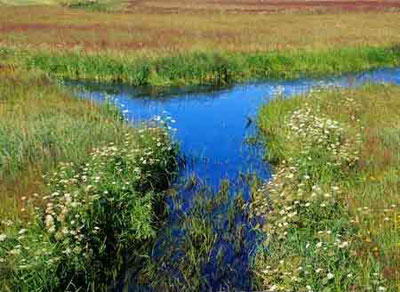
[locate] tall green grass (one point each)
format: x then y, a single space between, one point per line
216 68
94 5
41 125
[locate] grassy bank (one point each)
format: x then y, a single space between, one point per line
97 207
332 208
203 68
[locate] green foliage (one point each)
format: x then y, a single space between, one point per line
93 214
93 211
209 67
308 230
41 124
87 4
27 261
90 5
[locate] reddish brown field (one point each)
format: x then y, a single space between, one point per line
145 26
261 6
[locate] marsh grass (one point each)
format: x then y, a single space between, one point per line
346 240
101 195
205 68
42 125
94 5
89 5
331 208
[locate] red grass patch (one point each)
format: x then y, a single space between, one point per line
262 6
23 27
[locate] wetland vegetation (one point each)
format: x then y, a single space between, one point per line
80 187
94 198
333 208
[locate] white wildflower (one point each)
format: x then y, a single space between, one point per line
49 222
330 276
22 231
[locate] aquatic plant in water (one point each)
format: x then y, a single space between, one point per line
207 246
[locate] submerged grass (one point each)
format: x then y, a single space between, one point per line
99 205
207 247
332 207
202 67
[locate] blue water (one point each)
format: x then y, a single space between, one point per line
212 127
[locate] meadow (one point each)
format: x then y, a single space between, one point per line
333 205
141 44
82 189
149 31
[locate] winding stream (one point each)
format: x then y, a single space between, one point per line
212 127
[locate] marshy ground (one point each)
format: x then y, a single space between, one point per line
149 31
81 188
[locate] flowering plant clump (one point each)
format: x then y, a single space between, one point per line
309 245
306 234
95 212
319 137
28 258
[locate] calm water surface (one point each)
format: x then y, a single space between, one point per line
212 128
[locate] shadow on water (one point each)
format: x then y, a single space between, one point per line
148 91
208 241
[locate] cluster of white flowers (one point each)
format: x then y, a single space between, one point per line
114 174
314 132
76 189
293 193
22 248
90 208
289 193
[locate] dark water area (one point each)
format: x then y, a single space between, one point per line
213 128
